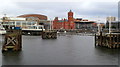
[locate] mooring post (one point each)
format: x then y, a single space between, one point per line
118 41
49 35
13 41
95 40
110 43
100 38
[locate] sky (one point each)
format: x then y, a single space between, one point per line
86 9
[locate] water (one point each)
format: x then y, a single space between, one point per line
1 42
65 50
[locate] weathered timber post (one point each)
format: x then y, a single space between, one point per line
113 41
100 38
118 41
49 35
95 40
13 41
110 42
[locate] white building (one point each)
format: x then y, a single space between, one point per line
110 19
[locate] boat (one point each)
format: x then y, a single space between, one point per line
27 27
2 30
33 30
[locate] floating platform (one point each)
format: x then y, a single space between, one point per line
109 40
49 35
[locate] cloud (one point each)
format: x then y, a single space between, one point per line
82 8
52 9
65 0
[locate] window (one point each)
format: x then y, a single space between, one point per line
23 23
40 27
32 27
32 18
28 23
33 23
18 23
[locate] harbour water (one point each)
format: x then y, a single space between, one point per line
0 49
65 50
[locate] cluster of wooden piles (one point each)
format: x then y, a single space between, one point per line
109 40
13 41
49 35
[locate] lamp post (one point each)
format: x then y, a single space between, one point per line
50 24
51 27
110 25
98 25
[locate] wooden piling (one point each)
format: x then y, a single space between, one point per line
49 35
108 40
100 38
13 41
95 40
117 41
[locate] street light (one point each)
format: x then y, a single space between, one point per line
110 25
51 24
98 25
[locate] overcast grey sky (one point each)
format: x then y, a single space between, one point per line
87 9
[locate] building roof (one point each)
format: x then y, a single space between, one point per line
85 22
41 17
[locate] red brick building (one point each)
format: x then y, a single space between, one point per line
64 23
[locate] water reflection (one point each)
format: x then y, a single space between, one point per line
12 58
